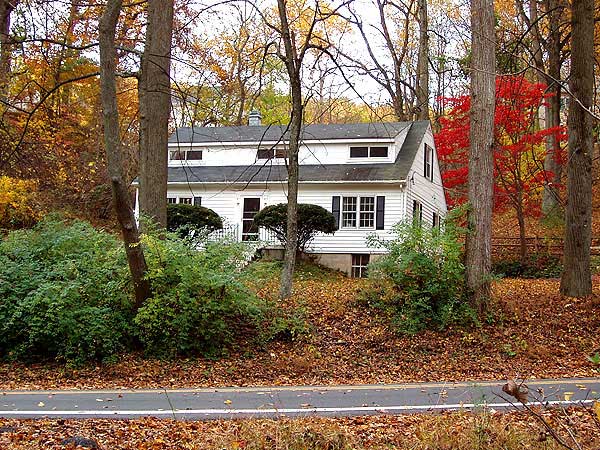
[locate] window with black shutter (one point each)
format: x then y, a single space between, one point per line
356 212
197 201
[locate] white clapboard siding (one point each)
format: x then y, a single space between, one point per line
314 153
227 201
429 193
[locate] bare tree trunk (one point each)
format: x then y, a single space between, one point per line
576 278
155 108
550 197
422 83
112 143
6 8
481 158
293 66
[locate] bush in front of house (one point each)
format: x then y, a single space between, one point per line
182 218
199 305
312 219
66 294
421 279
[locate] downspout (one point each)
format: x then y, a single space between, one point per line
403 188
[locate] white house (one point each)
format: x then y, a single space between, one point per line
369 175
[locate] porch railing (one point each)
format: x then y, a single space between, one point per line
232 231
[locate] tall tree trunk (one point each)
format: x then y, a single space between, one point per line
422 85
6 9
576 278
522 239
112 143
481 159
550 197
155 109
293 67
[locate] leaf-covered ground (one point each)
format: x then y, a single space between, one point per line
535 334
452 431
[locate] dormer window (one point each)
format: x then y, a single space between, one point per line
369 152
270 153
185 155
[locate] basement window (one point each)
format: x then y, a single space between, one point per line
359 265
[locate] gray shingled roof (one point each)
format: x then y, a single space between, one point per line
272 133
396 171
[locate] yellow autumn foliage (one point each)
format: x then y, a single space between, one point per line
17 207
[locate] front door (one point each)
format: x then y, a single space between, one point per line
249 229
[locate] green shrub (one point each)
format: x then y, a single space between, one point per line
199 305
312 219
421 279
64 293
183 218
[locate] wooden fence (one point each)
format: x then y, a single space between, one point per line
510 246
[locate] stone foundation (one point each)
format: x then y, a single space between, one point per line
335 261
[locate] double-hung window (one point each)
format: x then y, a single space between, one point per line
349 212
358 212
367 212
184 200
428 163
417 211
436 220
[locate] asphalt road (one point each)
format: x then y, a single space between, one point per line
194 404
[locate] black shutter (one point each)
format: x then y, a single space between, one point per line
379 218
425 151
197 201
335 209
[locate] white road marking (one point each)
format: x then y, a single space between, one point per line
233 412
267 389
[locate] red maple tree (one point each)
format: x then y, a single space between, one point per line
518 148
